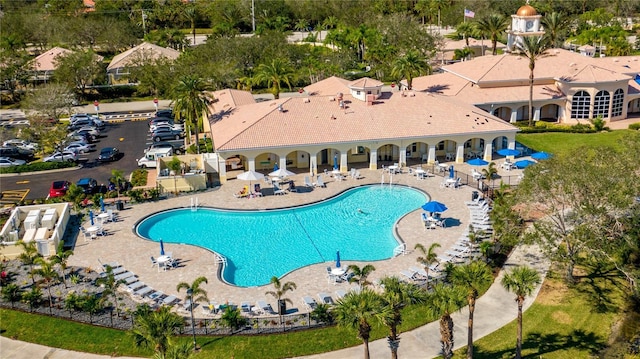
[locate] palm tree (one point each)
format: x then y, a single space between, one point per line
360 274
49 276
490 171
465 30
428 257
110 284
493 27
191 103
12 293
410 65
28 256
532 48
396 295
439 5
555 27
474 276
444 300
197 294
462 54
154 328
522 281
60 258
280 289
274 74
358 310
191 14
181 350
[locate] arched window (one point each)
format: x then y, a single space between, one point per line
601 104
580 105
618 101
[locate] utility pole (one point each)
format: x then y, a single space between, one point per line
253 15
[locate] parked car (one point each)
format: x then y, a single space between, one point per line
61 156
165 113
58 188
16 142
77 122
173 126
157 120
79 147
9 162
16 153
88 185
109 154
91 130
81 137
166 134
178 147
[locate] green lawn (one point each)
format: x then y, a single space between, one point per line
557 142
561 324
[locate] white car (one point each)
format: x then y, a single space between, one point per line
8 162
91 129
21 143
61 156
79 147
176 126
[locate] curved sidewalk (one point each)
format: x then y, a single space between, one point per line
494 309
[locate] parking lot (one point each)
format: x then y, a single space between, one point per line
129 137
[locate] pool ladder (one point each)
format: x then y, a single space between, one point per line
194 204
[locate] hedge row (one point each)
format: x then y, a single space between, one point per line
37 166
541 126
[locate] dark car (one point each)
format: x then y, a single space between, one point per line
165 133
165 113
16 153
109 154
88 185
58 189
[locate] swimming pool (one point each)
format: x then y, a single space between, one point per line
261 244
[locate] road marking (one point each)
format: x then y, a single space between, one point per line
22 182
11 197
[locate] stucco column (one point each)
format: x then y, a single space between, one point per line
313 164
431 159
536 114
460 153
373 159
252 163
222 170
514 116
344 166
403 157
283 161
488 151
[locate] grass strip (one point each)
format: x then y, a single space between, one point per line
557 142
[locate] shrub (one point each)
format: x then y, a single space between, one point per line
634 126
598 123
37 166
139 177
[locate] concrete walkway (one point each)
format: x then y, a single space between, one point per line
494 309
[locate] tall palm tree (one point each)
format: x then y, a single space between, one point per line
360 274
555 27
532 48
197 294
191 14
49 276
410 65
280 289
111 284
358 311
274 74
428 256
154 328
444 300
493 27
521 281
462 54
60 258
396 295
465 30
474 276
438 6
191 103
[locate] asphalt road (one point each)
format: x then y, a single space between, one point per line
130 138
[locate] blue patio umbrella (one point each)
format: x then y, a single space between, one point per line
101 204
434 206
91 217
338 259
451 172
161 247
523 163
508 152
335 162
477 162
275 167
541 156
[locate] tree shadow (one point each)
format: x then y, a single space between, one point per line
536 344
600 287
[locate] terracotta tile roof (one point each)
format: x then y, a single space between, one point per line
444 84
450 45
143 51
47 60
365 82
230 98
320 120
330 86
593 74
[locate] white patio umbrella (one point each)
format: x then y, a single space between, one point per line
250 176
281 172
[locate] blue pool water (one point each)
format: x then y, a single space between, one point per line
261 244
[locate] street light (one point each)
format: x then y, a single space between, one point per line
193 323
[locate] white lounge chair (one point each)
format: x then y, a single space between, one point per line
320 182
340 293
419 272
264 307
307 182
409 274
245 307
170 300
309 302
325 298
277 190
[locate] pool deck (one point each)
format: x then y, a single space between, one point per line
132 252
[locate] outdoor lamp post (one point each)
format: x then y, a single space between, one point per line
96 105
193 323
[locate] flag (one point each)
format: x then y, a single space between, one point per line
469 13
